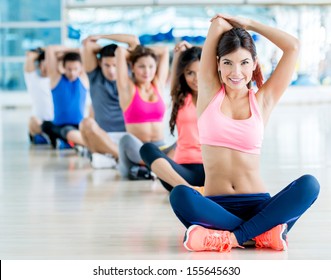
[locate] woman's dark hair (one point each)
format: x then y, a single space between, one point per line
180 88
141 51
237 38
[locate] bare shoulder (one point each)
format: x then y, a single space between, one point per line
55 79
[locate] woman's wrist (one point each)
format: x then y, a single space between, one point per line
250 25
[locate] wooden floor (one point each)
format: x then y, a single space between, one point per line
54 206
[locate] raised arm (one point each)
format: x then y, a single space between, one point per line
209 81
89 54
54 55
280 79
178 49
131 40
123 81
162 71
30 61
91 48
52 62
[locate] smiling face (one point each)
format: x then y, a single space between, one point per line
236 68
144 69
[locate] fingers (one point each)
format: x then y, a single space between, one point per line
227 17
222 16
93 38
182 46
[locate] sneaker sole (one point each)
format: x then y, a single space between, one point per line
187 234
283 236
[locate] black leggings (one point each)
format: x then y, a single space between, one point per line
57 131
193 173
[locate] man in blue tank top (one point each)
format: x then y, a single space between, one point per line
102 132
69 86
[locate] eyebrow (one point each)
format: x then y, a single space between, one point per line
225 59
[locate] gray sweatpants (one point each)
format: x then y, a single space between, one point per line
129 155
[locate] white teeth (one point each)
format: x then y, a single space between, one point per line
235 80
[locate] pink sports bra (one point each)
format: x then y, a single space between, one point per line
217 129
141 111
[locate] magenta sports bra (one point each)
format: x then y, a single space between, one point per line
217 129
141 111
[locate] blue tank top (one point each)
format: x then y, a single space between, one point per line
69 101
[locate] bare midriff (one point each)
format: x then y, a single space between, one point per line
146 132
230 171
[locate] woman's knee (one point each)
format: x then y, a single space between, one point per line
129 146
149 153
309 186
178 195
146 149
124 142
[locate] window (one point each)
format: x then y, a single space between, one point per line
24 25
30 10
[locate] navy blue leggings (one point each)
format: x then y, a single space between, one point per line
246 215
192 173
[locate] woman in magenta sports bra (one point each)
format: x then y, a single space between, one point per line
141 102
237 210
186 166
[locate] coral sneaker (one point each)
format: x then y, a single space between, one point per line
198 238
275 238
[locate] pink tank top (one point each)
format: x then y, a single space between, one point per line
188 149
141 111
217 129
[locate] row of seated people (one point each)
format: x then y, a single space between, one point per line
214 179
126 88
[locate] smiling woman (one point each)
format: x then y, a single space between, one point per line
237 210
142 103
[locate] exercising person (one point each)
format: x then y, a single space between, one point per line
237 209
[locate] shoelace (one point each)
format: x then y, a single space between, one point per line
218 242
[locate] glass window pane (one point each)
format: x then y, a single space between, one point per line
11 77
30 10
15 41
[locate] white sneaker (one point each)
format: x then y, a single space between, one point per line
99 161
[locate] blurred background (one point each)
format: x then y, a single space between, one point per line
27 24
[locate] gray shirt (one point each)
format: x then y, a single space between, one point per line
105 102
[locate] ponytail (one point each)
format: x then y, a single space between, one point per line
258 76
